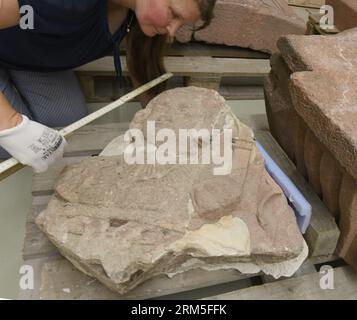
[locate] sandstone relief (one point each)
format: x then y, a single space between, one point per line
124 224
254 24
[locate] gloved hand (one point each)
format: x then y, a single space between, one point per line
33 144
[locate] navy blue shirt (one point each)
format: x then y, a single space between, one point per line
66 34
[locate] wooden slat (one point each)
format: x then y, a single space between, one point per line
303 288
229 92
323 233
56 278
36 243
213 50
190 66
201 49
242 92
91 139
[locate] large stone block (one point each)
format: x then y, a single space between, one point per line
323 93
299 133
125 223
280 114
255 24
285 124
324 90
312 155
331 179
345 13
348 218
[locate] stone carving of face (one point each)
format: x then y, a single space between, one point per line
166 16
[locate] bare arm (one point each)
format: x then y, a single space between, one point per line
9 17
9 13
9 117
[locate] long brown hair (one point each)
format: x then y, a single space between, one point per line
145 55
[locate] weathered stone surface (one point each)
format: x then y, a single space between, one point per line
351 255
348 218
124 224
331 179
324 90
323 94
345 12
285 124
299 142
184 34
255 24
312 156
277 94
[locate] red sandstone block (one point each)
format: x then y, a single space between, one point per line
313 154
323 90
345 12
282 74
300 130
254 24
280 116
348 217
323 94
331 179
351 255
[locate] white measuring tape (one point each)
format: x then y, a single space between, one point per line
8 164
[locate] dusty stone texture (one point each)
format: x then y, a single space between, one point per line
184 34
322 93
299 144
345 12
331 179
329 110
278 99
285 124
124 224
312 155
348 218
255 24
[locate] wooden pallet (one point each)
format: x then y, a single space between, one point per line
198 64
56 278
306 287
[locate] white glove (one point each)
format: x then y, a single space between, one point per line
33 144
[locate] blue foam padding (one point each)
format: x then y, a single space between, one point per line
301 206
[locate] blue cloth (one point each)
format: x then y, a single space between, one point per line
66 34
